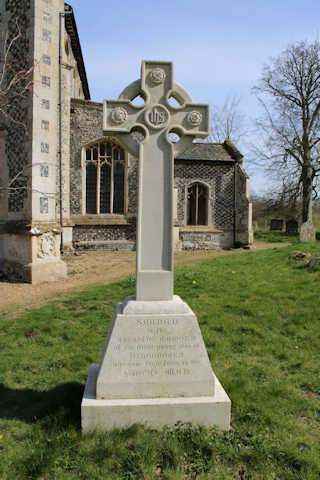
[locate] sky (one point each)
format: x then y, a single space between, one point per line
218 47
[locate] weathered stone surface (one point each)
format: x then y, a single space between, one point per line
307 232
45 272
202 240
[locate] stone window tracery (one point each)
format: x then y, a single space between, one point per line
105 178
197 204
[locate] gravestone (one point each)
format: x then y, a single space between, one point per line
154 367
276 224
307 232
292 227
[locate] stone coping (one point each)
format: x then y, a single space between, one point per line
200 229
131 306
102 242
86 102
107 219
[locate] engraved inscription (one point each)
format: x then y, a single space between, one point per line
157 116
156 352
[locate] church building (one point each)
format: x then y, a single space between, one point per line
71 187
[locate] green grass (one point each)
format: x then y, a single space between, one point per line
273 236
259 314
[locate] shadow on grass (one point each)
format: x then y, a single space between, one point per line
31 405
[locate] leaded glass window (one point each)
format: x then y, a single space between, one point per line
105 178
198 204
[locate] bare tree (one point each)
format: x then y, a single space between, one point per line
15 85
228 122
15 82
289 92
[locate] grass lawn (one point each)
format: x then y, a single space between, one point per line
264 235
259 313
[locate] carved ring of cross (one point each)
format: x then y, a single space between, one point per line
179 93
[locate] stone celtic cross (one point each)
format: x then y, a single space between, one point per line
155 120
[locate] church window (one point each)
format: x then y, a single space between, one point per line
105 179
197 204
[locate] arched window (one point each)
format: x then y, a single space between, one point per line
197 204
105 178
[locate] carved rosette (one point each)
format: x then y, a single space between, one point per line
194 118
47 245
119 115
157 76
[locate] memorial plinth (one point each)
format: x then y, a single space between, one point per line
154 367
154 370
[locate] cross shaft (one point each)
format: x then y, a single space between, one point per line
156 119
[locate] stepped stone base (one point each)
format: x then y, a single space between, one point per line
34 272
154 370
105 415
45 272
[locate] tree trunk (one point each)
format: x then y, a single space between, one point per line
306 193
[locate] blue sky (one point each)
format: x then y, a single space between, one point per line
218 48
